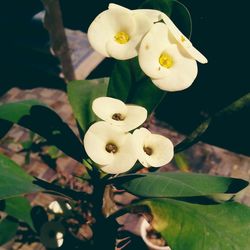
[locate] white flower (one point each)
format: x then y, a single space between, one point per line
118 31
116 112
176 35
153 15
59 207
55 207
183 41
168 67
51 234
152 150
110 147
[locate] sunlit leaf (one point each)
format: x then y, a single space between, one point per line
19 207
81 95
45 122
201 227
14 181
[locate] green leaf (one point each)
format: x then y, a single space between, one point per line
81 95
201 227
8 229
181 162
53 152
177 184
146 94
19 207
14 111
26 145
13 180
124 75
5 124
127 82
45 122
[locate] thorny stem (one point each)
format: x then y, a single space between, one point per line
102 235
195 136
105 229
237 105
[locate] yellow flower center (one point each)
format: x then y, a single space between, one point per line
183 39
122 37
166 60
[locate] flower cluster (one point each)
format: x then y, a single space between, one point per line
113 148
164 53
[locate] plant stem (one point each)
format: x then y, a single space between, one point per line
195 136
104 231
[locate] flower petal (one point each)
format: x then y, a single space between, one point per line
121 19
124 159
143 24
106 107
124 22
162 148
99 32
183 41
123 51
183 69
136 116
196 54
143 18
55 207
96 139
153 15
180 76
150 51
105 26
139 136
132 115
113 6
130 49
